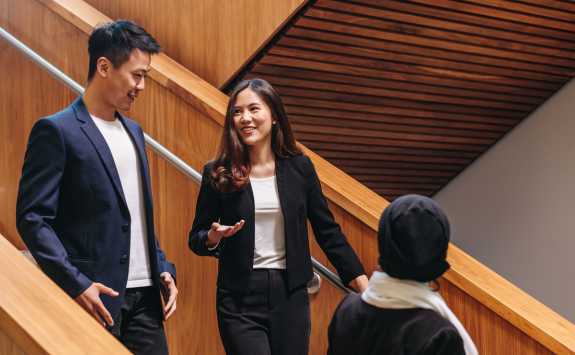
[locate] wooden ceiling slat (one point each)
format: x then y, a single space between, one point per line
536 11
403 191
347 163
385 150
400 192
553 4
354 132
403 95
406 52
320 137
519 71
395 111
412 121
419 26
293 62
385 68
395 185
501 14
318 122
312 83
409 105
426 8
285 72
557 47
398 172
393 178
426 42
376 157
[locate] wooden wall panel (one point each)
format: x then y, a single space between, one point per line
8 346
194 137
38 317
163 115
491 333
17 115
212 38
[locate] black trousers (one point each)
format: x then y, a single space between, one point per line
268 320
139 325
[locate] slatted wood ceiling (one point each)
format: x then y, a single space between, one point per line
403 95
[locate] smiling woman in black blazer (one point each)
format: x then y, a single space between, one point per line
252 212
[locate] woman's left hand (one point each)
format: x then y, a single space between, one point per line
360 283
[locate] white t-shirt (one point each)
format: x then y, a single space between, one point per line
127 165
269 250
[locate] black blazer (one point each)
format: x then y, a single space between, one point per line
300 198
71 211
362 329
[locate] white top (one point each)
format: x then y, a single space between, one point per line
270 251
127 165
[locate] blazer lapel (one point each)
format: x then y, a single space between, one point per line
95 137
282 188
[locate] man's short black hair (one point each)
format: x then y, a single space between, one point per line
116 41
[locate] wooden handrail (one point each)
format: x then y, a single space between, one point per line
41 318
523 311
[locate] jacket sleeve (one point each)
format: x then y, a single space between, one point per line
37 206
328 233
208 210
163 263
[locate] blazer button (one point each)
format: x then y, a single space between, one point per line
124 259
125 227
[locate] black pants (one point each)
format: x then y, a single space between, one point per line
268 320
139 325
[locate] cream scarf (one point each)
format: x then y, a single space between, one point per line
384 291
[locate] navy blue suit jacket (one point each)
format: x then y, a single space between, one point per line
71 211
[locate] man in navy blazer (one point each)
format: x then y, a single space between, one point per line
84 206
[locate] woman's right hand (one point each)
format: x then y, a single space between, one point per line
219 231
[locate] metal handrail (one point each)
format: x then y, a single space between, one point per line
156 146
58 74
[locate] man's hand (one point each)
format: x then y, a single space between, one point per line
169 293
360 283
91 302
219 231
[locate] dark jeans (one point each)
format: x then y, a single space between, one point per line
139 326
268 320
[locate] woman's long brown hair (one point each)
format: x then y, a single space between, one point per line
231 169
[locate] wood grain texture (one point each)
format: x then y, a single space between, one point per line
446 69
162 114
18 115
46 322
8 346
211 38
182 113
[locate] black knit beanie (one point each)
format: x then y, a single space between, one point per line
413 239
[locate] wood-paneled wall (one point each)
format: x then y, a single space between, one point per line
31 304
212 38
18 113
8 346
169 118
163 115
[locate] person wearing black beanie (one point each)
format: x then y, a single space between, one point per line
400 313
413 238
